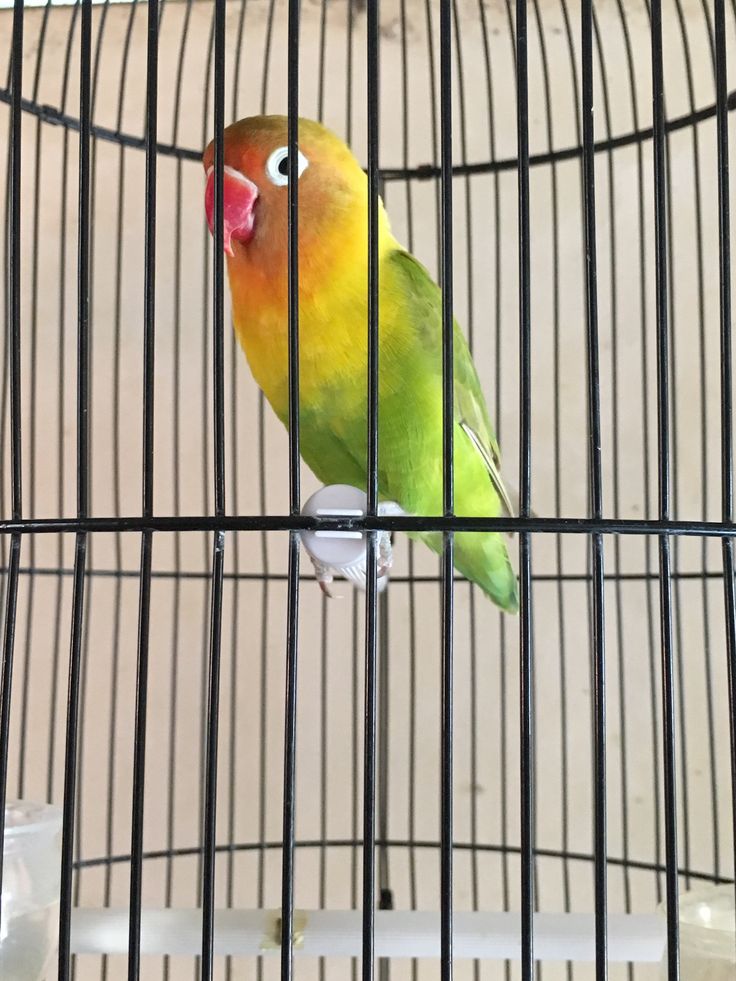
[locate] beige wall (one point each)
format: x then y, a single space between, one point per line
331 633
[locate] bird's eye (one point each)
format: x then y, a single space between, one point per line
277 166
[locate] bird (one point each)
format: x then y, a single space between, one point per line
333 204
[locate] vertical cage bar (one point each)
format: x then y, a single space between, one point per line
369 761
448 503
13 259
80 558
12 241
498 290
526 718
115 435
144 603
412 611
663 448
139 755
354 758
646 454
31 618
292 628
373 273
324 728
70 757
176 469
596 496
371 620
6 681
205 403
83 263
724 257
293 250
383 716
218 266
448 614
265 564
61 402
685 744
383 793
218 548
289 815
233 758
210 798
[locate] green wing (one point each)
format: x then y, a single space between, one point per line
471 414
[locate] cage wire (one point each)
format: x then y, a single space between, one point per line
219 734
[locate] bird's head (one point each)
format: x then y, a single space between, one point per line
332 190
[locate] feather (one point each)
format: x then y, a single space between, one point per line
491 467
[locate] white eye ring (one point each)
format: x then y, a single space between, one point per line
278 162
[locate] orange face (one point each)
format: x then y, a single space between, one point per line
331 198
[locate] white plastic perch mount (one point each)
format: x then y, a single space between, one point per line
398 933
344 552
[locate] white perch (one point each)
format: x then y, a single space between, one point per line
398 933
345 552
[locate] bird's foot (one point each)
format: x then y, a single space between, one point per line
385 557
324 576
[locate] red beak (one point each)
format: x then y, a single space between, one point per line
238 201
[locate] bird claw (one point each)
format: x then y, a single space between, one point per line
324 577
325 574
385 555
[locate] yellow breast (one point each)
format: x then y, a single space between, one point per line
333 321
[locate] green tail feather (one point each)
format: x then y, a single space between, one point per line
482 558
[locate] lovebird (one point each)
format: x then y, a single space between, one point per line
333 337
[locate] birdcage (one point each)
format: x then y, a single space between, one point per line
255 780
